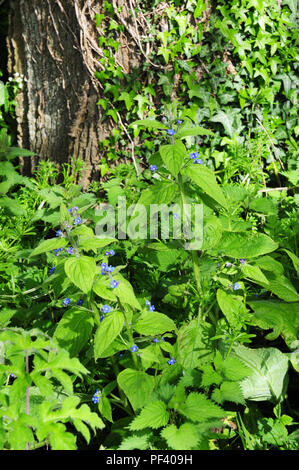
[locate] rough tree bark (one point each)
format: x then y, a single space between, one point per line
54 44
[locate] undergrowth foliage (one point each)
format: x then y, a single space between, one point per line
137 343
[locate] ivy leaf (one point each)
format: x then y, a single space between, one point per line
226 120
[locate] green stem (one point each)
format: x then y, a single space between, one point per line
195 258
130 334
121 393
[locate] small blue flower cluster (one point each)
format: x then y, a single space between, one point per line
57 251
114 284
67 301
110 253
194 156
153 168
171 361
77 220
106 308
150 306
96 397
73 209
156 340
134 348
106 269
170 131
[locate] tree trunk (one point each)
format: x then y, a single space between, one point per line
54 44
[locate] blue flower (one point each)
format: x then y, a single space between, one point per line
114 284
228 264
153 168
77 220
236 286
66 301
151 308
58 233
170 131
171 361
95 397
80 302
52 270
179 121
155 340
102 318
176 216
198 161
134 348
194 155
69 210
70 250
106 308
242 261
110 253
57 250
147 302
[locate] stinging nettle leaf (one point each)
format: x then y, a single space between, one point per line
154 415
